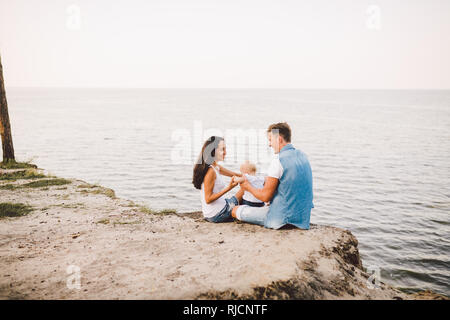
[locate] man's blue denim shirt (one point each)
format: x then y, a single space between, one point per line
293 199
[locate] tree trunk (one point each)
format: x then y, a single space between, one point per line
5 127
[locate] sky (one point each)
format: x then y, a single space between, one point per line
343 44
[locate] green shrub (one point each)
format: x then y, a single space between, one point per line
8 209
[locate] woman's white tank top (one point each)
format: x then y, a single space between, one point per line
213 208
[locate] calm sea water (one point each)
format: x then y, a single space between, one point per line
380 159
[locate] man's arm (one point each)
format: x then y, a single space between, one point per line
228 173
266 193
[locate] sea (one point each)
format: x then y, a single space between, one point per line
380 158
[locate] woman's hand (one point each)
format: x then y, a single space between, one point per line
233 183
239 179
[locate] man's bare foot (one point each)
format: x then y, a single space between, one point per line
233 212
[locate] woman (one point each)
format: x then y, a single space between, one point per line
208 178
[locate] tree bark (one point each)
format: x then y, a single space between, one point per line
5 127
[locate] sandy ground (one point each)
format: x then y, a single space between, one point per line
122 252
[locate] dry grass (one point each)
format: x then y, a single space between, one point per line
37 184
100 190
148 210
16 165
23 174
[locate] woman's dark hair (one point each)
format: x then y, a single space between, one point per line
205 159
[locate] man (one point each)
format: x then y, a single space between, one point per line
288 186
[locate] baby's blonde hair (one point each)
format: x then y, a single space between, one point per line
248 167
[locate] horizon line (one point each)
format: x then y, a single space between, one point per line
226 88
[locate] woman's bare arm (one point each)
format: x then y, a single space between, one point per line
228 173
208 182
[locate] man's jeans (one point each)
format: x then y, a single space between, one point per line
255 215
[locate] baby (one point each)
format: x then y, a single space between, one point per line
248 170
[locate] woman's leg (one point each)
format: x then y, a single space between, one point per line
225 214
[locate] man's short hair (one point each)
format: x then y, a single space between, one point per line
283 129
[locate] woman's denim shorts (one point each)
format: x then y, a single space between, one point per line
225 214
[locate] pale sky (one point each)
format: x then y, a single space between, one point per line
393 44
